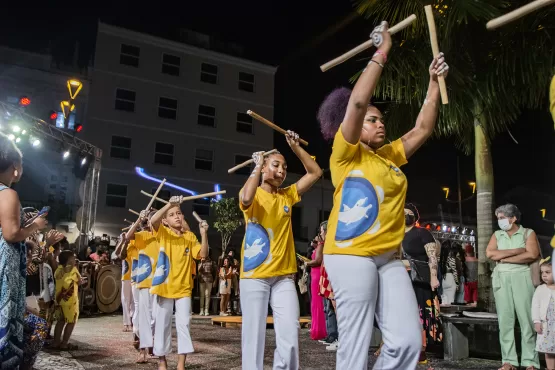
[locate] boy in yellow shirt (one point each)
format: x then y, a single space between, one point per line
172 281
268 258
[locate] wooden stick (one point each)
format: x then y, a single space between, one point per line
517 13
192 197
195 215
272 125
246 163
129 222
366 45
155 195
126 228
435 51
134 212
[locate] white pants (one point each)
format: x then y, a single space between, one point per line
449 289
147 315
368 287
135 317
205 290
282 295
127 303
163 330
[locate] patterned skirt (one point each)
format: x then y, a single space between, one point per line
428 305
34 335
325 286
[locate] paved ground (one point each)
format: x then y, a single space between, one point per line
103 345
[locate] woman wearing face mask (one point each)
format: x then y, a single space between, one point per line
514 248
268 261
367 224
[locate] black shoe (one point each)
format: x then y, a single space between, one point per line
326 340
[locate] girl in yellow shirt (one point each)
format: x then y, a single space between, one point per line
172 281
268 257
127 253
67 285
366 225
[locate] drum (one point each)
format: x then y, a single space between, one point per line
108 284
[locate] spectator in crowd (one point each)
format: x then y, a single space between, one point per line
449 272
460 258
318 321
13 232
206 279
471 283
514 248
225 274
543 314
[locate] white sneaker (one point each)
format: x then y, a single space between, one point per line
206 313
333 346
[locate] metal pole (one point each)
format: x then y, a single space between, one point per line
460 192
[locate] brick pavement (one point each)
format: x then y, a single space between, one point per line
103 345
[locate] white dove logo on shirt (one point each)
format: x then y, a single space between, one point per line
160 271
254 249
141 270
355 214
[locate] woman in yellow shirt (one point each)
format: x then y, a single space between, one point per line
67 285
172 281
268 257
366 225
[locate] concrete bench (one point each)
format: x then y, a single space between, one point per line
455 335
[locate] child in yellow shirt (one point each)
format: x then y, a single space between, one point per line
67 285
172 281
268 257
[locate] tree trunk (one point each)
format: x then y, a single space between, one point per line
484 208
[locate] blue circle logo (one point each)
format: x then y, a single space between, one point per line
358 208
162 269
124 267
144 268
256 247
134 270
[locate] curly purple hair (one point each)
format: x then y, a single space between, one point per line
332 111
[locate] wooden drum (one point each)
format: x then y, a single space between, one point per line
108 285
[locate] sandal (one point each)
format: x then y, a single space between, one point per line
142 358
507 366
69 347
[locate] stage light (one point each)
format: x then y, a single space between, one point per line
18 140
24 101
454 229
23 132
444 228
11 137
53 115
78 128
83 161
66 154
35 142
16 128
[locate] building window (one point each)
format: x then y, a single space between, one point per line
170 64
209 73
129 55
125 100
163 154
116 195
204 159
246 82
244 123
240 159
202 207
121 147
167 108
206 116
163 194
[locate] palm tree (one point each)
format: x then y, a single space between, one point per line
493 76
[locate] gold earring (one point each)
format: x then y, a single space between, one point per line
16 173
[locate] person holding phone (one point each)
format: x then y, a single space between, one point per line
13 233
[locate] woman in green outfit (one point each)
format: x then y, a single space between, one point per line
514 248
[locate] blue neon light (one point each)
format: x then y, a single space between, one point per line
141 172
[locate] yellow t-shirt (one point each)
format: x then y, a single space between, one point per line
552 98
126 264
268 247
367 217
148 248
173 277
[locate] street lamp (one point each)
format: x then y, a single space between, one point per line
473 185
74 86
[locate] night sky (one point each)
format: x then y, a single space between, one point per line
298 37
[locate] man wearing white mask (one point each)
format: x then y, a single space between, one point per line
514 248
